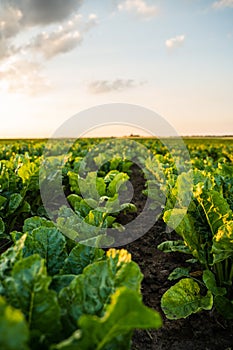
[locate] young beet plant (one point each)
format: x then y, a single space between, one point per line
206 230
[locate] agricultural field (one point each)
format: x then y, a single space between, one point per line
135 253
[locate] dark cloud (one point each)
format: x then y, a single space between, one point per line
37 12
105 86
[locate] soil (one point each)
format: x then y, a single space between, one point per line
202 331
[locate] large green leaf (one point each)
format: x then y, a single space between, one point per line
215 207
35 300
184 299
125 313
182 192
90 187
118 181
224 306
174 246
50 244
186 227
90 292
14 202
179 272
36 222
10 257
80 257
14 333
210 283
223 242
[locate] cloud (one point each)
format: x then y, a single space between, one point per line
139 7
105 86
64 39
10 18
175 42
50 43
23 77
20 67
42 12
222 4
5 50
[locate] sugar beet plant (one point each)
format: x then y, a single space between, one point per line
57 294
206 232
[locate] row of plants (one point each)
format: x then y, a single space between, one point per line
56 293
204 223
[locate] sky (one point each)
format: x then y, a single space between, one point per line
59 58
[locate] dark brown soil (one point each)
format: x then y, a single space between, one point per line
202 331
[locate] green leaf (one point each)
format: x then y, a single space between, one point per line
2 202
178 273
222 247
50 244
96 218
2 227
14 334
90 292
61 281
216 208
10 257
89 187
119 180
14 203
210 283
186 227
184 299
128 207
27 170
25 208
224 306
36 222
125 313
182 192
73 181
35 300
80 257
74 200
81 207
174 246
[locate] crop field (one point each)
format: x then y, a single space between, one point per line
113 244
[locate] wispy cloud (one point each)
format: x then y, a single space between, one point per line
23 77
139 7
175 42
105 86
222 4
